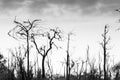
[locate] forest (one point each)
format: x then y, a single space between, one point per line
19 67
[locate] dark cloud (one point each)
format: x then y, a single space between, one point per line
86 6
82 3
11 4
37 6
71 3
109 5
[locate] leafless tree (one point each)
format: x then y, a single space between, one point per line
100 70
23 30
53 34
104 45
68 58
87 62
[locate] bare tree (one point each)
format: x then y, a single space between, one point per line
23 31
87 62
53 34
68 58
100 71
104 45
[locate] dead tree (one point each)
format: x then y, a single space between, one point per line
99 67
68 59
53 34
104 45
87 62
23 31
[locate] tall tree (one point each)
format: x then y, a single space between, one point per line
23 30
52 35
104 45
68 58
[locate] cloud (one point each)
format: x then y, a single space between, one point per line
11 4
37 6
82 4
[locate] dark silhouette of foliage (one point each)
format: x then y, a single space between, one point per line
19 57
116 70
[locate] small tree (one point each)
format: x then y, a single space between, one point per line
87 62
104 45
68 65
99 68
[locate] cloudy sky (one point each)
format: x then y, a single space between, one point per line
85 18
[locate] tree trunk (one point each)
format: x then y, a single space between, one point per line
104 66
105 75
67 67
43 67
28 56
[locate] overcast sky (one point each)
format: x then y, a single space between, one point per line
85 18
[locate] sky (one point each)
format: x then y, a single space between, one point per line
85 18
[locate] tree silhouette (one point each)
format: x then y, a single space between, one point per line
23 30
104 45
68 68
53 34
99 67
2 63
87 62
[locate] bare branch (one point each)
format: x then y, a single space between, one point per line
20 25
32 23
36 46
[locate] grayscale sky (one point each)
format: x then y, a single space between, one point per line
85 18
